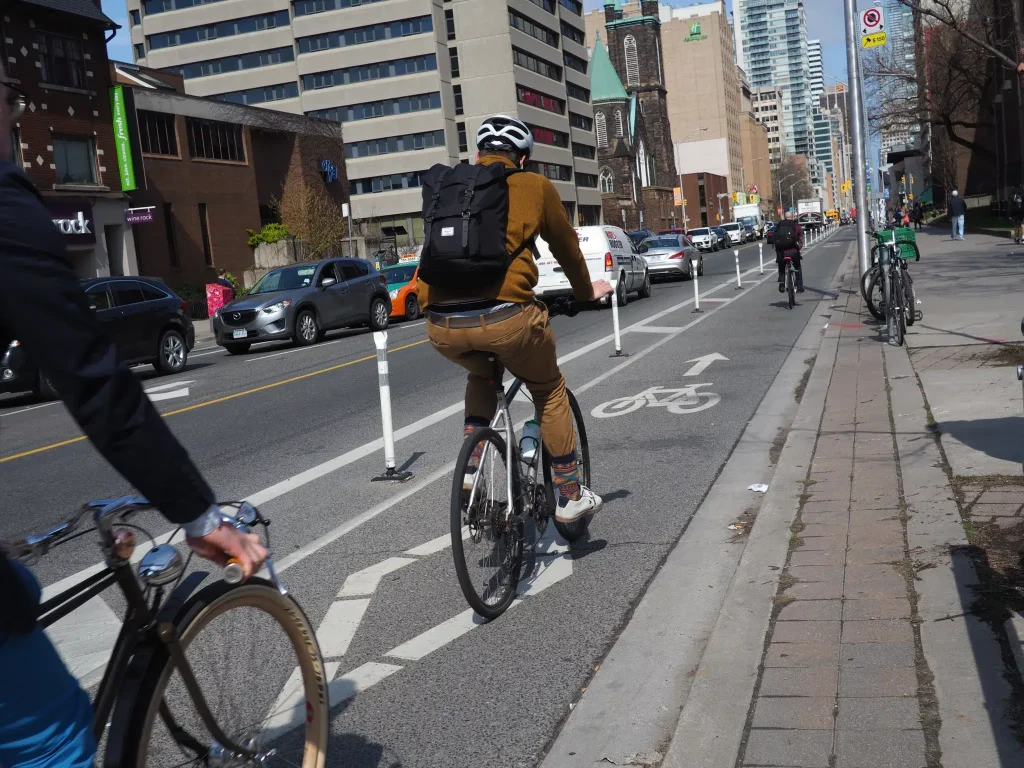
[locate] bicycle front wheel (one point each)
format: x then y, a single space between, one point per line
574 530
487 535
256 659
898 320
791 286
909 297
875 295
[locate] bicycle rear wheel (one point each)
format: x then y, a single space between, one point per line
571 531
909 297
791 285
898 318
255 656
875 294
489 556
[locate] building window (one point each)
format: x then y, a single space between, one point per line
540 100
371 109
172 241
534 64
550 137
74 158
586 180
385 183
366 72
60 60
252 60
618 123
157 134
204 230
553 171
572 5
207 32
632 62
577 92
602 130
533 29
581 122
261 95
457 93
607 181
136 18
159 6
583 150
212 140
140 51
407 143
453 60
449 23
569 31
574 62
368 34
306 7
463 140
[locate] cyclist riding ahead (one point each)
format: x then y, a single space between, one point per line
789 238
45 719
477 274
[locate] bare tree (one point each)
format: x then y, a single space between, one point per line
312 216
794 166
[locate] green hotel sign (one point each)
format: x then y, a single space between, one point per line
122 142
694 33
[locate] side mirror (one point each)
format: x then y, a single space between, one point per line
327 282
641 248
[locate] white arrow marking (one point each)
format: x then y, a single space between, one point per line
339 626
365 582
172 385
161 392
702 363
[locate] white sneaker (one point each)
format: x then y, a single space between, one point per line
571 510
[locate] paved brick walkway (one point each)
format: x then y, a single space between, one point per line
839 682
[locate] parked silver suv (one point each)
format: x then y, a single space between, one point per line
302 302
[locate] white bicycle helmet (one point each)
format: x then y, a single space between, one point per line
506 133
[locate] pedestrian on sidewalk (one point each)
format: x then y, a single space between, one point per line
222 280
918 216
1017 213
789 237
957 210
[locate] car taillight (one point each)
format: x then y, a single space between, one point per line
680 255
184 307
608 265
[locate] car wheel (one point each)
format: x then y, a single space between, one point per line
620 291
412 308
43 389
379 315
645 288
237 349
172 354
307 329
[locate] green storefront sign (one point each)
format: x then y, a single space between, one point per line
122 143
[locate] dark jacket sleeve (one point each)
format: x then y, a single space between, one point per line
43 306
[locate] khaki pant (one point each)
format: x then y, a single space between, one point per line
525 345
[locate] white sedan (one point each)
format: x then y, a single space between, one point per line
705 238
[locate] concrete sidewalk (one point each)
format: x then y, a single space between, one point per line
847 635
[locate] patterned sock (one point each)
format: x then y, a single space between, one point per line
468 429
565 472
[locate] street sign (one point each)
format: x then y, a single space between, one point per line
676 196
872 28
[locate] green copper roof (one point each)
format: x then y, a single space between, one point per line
604 82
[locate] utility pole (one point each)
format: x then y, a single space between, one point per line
856 106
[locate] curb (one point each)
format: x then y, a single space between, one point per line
632 705
713 721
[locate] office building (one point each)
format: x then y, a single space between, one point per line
900 55
772 48
757 170
767 105
410 80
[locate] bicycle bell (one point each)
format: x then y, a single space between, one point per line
161 565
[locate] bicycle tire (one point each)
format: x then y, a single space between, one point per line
197 613
512 534
875 299
790 286
910 297
898 316
572 531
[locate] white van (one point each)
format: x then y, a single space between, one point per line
610 256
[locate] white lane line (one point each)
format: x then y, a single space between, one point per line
30 408
366 581
654 329
164 387
438 637
204 354
289 711
321 345
435 545
339 626
358 680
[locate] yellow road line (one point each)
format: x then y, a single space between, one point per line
224 399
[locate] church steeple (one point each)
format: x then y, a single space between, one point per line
604 80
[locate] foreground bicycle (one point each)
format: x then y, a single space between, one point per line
873 283
488 520
226 675
790 281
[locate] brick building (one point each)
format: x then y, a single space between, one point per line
56 51
631 123
707 199
210 170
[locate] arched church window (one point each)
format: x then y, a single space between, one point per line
601 127
607 181
618 123
632 62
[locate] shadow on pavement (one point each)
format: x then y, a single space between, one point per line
1001 438
964 335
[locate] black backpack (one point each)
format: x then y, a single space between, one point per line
785 234
465 215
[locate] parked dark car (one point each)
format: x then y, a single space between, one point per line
723 237
302 302
147 320
640 235
769 232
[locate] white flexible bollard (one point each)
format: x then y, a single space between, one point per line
696 287
760 257
380 340
739 281
614 299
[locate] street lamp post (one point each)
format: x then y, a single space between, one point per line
792 194
721 195
682 197
856 106
781 181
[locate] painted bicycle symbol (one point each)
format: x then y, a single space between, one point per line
683 400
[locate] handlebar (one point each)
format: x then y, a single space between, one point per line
565 306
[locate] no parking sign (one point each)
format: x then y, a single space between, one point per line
872 28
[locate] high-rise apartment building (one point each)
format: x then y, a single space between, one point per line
410 79
901 55
815 68
771 47
767 106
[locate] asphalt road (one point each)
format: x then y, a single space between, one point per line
298 432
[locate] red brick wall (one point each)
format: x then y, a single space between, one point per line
59 111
